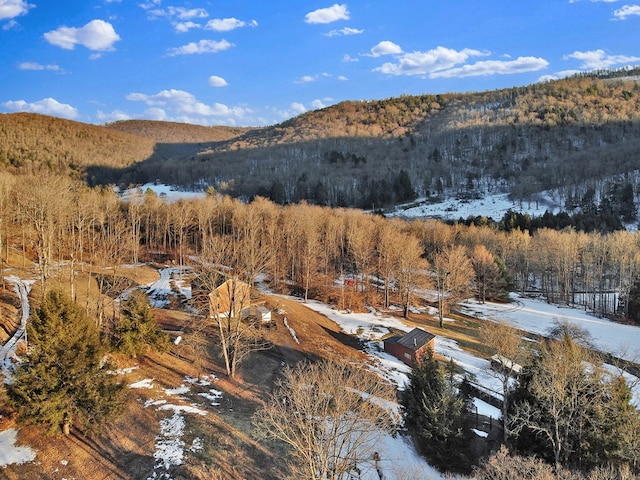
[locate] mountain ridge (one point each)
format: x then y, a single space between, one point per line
569 134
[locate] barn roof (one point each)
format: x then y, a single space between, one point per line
416 339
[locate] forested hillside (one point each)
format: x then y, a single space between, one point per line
34 144
568 134
172 132
579 135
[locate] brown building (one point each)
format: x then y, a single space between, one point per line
229 299
410 347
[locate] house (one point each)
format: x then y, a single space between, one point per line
410 347
229 299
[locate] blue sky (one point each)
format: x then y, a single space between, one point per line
251 63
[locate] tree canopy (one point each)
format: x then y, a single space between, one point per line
137 328
64 379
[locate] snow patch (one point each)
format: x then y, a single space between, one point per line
292 332
146 383
10 453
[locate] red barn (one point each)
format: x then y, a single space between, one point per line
410 347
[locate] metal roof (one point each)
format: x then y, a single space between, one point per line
416 339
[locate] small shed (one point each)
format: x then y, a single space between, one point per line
410 347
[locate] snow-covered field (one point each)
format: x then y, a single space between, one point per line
530 315
493 206
167 192
537 316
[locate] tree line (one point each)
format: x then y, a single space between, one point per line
304 248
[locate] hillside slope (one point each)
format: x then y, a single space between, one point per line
572 135
569 134
172 132
31 143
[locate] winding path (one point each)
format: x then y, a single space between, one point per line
22 288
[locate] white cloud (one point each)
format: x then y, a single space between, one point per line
348 58
179 105
112 117
216 81
155 114
13 8
183 27
385 48
493 67
228 24
38 66
344 32
187 13
426 63
595 59
10 25
46 106
298 108
328 15
317 104
342 78
95 35
306 79
627 11
180 13
203 46
312 78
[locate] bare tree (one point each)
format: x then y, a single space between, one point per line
488 278
42 202
453 274
218 273
411 271
507 343
331 415
6 186
571 393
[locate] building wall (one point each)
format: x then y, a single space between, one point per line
407 355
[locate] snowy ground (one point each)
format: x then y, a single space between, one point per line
530 315
167 192
539 317
398 458
8 350
10 453
170 447
160 291
494 206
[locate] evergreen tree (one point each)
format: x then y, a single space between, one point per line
402 187
633 302
137 329
435 414
64 378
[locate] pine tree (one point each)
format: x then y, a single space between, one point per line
435 414
633 302
64 379
138 329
